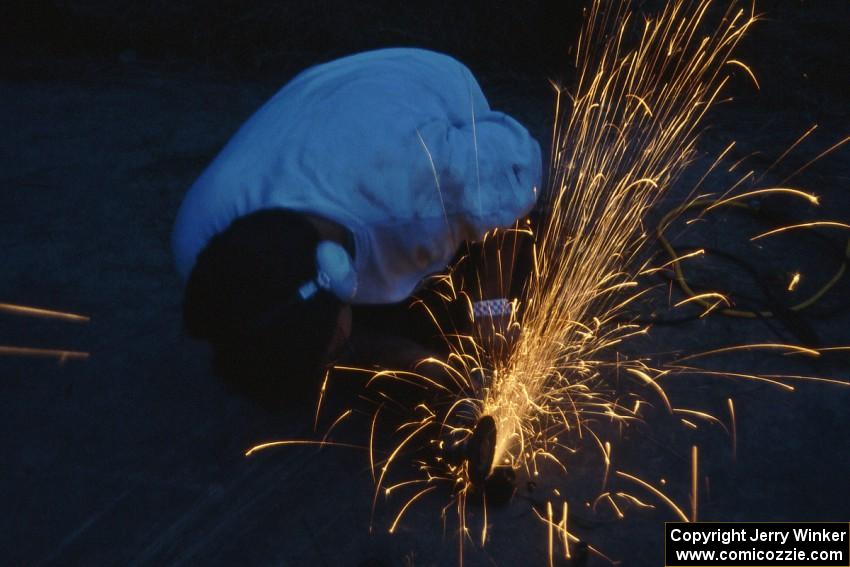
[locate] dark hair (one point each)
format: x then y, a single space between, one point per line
241 296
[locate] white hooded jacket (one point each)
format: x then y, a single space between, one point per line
397 145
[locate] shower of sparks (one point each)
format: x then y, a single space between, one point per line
629 132
621 138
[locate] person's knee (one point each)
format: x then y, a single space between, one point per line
240 298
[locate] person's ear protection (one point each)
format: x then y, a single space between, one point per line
334 273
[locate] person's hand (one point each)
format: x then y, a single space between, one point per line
501 265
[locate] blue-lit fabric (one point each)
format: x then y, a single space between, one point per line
398 145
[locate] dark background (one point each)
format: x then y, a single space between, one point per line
266 36
134 457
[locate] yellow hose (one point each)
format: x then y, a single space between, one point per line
730 312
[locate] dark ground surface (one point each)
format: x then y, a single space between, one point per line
134 457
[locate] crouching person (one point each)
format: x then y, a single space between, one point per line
357 180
